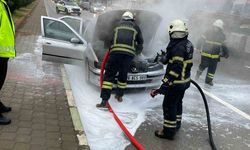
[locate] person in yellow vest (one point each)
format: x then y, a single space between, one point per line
7 50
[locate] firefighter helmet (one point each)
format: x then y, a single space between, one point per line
128 16
218 23
177 25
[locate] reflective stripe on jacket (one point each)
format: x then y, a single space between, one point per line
211 44
180 54
7 32
127 38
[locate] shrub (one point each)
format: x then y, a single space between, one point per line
15 4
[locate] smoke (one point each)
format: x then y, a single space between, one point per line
178 9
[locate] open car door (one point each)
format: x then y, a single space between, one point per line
61 42
74 22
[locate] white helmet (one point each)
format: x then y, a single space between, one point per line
128 16
177 25
218 23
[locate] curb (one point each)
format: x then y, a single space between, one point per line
81 136
19 24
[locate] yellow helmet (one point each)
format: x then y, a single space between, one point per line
128 16
177 25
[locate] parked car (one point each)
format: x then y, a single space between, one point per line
68 7
55 1
85 4
73 40
97 8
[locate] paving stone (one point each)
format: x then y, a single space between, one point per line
53 135
7 144
23 138
38 147
25 124
52 128
69 137
51 122
7 136
38 133
68 146
68 130
10 128
38 126
54 143
24 131
38 141
21 146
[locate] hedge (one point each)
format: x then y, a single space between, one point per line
15 4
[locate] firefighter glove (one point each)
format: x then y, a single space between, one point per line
154 92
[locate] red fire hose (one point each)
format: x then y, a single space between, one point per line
125 130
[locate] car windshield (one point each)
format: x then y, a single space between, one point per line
98 5
70 3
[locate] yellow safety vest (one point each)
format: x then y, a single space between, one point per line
7 32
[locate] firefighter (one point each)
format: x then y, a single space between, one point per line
7 50
179 54
212 47
127 42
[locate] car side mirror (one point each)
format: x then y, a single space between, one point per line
75 41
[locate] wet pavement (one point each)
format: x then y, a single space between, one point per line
34 89
231 130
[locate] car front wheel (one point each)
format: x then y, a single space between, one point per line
66 10
57 10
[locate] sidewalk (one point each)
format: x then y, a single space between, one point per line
34 89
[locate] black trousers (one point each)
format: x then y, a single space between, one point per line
116 64
3 70
172 110
209 63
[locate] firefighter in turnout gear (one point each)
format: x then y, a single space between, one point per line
127 42
211 45
7 50
178 57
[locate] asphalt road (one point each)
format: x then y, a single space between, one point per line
229 101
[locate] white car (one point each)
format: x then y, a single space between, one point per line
68 7
73 40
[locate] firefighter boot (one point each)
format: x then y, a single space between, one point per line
178 125
103 105
164 135
4 120
198 74
4 109
209 83
118 98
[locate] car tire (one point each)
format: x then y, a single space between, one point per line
66 10
57 10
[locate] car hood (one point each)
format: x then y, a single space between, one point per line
147 21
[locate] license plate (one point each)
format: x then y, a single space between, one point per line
137 77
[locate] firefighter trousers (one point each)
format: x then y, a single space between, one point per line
3 70
209 63
117 64
172 110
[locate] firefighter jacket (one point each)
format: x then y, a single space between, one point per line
211 45
127 38
179 58
7 32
